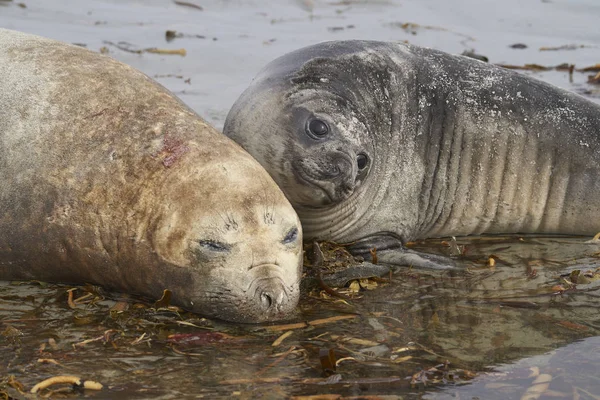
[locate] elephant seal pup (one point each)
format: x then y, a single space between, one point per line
381 143
107 178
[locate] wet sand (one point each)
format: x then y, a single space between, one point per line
241 36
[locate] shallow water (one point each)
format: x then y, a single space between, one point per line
241 36
491 324
486 331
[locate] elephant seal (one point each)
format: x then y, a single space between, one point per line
379 143
107 178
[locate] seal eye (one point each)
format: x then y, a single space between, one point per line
362 161
318 128
214 245
291 236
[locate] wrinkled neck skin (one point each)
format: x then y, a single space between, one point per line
503 152
471 149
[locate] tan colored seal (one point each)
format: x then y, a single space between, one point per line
107 178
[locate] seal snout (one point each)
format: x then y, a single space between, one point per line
340 168
271 296
271 299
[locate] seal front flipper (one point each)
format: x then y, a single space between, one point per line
390 250
417 259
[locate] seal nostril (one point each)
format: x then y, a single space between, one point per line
266 300
362 160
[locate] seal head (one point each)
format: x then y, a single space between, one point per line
240 241
315 124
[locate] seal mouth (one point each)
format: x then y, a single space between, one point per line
308 180
337 185
271 296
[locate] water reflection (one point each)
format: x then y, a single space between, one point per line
498 314
572 371
483 326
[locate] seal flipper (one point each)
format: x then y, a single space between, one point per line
390 250
417 259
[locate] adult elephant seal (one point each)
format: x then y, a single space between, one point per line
109 179
382 143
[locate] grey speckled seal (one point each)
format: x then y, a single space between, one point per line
107 178
382 143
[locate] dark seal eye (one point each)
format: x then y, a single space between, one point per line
291 236
214 246
318 128
362 160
